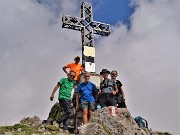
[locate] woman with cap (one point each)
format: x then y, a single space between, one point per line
120 97
108 90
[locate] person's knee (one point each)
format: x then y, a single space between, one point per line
85 112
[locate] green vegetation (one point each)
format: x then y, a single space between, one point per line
19 129
51 128
14 129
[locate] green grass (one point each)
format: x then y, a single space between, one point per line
24 128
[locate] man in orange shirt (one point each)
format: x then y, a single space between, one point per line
75 67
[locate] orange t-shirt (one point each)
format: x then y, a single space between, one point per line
75 67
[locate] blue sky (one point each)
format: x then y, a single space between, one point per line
116 10
34 48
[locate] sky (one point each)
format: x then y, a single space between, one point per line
143 47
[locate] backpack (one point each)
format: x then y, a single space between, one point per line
142 123
54 113
104 84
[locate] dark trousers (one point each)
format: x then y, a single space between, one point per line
120 102
107 100
66 105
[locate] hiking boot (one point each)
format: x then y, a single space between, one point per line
59 122
61 125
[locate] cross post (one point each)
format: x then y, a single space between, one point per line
88 27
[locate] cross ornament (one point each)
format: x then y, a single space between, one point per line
88 27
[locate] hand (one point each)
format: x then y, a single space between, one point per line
113 92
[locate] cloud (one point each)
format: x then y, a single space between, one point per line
31 57
34 48
147 57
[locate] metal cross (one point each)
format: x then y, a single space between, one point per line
88 27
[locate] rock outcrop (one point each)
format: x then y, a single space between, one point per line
105 121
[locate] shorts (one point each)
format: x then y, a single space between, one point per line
87 105
107 100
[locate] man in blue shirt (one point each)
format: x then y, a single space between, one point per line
88 96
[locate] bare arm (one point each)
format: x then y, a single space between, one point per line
96 97
115 90
64 69
82 70
123 95
54 91
75 87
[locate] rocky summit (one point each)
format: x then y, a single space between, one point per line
119 123
105 121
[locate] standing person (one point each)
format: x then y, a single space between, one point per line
75 67
108 90
65 86
120 97
89 95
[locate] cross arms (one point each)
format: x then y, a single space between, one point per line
76 23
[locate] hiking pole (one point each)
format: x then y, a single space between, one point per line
75 123
75 116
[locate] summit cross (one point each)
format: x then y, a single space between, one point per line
88 27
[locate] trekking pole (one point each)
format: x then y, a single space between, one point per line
75 123
75 119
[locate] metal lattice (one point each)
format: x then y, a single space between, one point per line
88 27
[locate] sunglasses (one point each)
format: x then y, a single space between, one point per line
113 74
86 76
72 76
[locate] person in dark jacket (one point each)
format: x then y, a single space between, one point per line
120 96
108 90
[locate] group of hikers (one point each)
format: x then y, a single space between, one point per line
86 94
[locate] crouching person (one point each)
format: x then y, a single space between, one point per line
65 86
87 95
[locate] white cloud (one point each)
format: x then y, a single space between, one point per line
33 51
147 57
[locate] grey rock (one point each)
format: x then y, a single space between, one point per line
40 130
102 123
34 121
8 133
19 129
122 123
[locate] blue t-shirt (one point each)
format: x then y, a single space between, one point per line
87 91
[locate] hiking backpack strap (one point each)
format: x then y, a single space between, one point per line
105 85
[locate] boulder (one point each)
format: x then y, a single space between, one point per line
105 121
